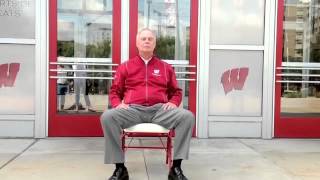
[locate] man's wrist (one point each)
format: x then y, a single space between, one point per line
116 105
175 103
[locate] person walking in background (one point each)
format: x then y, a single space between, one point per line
62 87
79 86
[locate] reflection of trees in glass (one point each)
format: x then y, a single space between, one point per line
99 50
315 47
315 54
188 50
165 47
292 94
99 86
66 48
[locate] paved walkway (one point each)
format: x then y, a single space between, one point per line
210 159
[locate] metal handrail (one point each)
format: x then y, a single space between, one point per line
107 62
185 79
80 59
299 65
182 65
83 63
298 68
75 70
82 77
95 77
185 72
107 71
298 75
309 82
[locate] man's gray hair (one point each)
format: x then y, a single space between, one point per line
146 29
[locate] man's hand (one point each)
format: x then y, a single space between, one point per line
168 106
122 105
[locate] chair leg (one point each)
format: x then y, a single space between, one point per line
169 151
123 140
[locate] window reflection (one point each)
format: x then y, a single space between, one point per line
98 40
84 45
87 30
237 22
301 44
184 85
171 22
65 39
77 92
98 5
69 4
17 19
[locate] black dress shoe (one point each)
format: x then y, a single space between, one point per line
120 174
176 174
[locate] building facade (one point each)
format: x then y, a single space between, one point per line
247 68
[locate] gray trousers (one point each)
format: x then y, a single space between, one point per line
114 120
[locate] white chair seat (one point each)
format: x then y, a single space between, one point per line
147 128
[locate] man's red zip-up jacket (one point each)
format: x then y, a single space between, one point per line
136 82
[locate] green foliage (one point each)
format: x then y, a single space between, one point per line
99 50
66 48
315 54
292 94
188 51
317 94
165 47
315 48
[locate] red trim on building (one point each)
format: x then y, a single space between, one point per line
116 32
133 18
193 58
289 127
279 46
298 127
76 125
52 30
52 58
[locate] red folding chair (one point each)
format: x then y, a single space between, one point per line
149 130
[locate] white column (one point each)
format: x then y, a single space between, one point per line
41 82
269 69
203 68
125 30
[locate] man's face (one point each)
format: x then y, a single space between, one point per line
146 42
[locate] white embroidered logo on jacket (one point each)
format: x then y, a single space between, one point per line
156 72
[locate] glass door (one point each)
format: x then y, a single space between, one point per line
84 50
175 23
85 40
297 103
